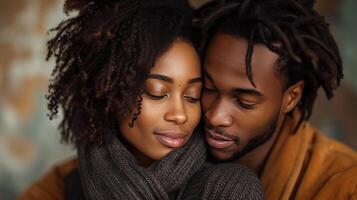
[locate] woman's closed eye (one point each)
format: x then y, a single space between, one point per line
192 99
155 96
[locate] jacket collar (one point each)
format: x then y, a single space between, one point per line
286 160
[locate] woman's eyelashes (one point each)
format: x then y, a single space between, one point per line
192 99
154 96
189 98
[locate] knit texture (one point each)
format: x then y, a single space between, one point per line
224 181
110 171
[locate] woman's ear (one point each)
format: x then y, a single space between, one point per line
292 96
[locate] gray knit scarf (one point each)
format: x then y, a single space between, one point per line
110 171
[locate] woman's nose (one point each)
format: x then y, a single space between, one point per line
176 112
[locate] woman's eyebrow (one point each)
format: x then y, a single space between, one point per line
170 80
195 80
160 77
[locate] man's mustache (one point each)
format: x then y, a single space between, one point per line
220 131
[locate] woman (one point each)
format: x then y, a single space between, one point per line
128 80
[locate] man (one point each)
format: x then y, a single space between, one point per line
264 63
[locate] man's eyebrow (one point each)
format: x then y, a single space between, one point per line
207 75
160 77
247 91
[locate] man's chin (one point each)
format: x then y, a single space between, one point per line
219 155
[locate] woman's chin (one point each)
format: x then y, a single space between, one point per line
159 155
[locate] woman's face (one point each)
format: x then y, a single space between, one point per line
170 108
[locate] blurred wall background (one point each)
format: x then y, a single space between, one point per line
30 143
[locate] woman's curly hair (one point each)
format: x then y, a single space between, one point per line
292 29
103 56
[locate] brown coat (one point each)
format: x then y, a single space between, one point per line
309 165
51 185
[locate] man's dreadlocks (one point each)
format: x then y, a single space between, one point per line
292 29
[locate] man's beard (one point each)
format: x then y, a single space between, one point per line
254 142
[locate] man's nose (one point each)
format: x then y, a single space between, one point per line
177 112
218 114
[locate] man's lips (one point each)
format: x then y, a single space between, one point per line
218 141
172 139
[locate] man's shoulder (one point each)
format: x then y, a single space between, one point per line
332 149
51 185
334 164
310 165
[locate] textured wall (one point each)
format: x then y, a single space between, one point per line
29 142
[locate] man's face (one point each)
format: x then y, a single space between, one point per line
237 114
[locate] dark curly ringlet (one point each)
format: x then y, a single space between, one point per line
103 56
292 29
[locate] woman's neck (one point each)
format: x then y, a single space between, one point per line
142 159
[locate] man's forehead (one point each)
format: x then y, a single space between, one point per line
226 47
231 51
226 59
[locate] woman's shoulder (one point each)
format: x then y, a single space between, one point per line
51 185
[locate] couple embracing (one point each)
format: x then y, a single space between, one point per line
163 101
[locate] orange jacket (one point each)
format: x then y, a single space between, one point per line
309 165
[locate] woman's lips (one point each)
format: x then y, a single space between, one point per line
172 139
218 141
